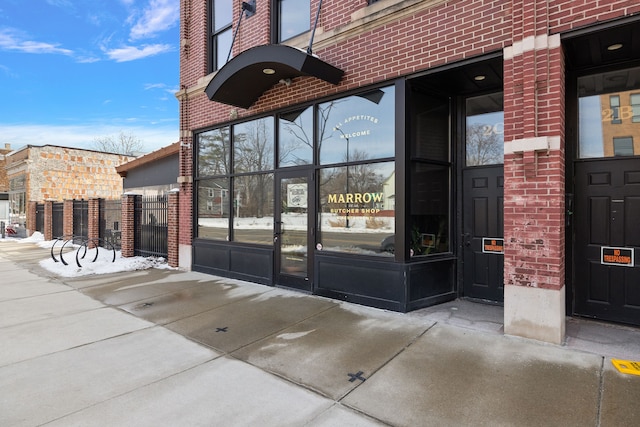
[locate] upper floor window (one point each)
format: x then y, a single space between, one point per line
635 107
221 35
614 105
290 18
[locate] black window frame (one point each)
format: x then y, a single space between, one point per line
276 22
214 35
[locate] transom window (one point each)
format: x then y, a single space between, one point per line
609 114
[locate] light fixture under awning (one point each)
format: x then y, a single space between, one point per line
247 76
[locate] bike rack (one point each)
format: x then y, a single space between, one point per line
83 245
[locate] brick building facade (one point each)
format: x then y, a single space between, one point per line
487 114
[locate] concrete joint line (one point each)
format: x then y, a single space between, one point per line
530 43
600 393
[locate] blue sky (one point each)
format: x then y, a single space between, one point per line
72 71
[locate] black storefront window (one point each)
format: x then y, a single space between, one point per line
430 177
213 208
253 202
355 139
214 148
295 138
357 199
357 128
253 146
357 208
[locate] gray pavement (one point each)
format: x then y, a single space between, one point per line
174 348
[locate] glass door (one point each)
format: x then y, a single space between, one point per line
291 230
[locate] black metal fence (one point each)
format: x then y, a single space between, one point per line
151 226
110 221
81 218
40 217
57 219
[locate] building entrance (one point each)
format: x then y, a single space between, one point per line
607 240
291 230
482 200
607 197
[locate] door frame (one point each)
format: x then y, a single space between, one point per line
280 279
459 139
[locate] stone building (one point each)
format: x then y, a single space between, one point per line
49 172
487 114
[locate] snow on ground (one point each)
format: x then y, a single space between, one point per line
73 254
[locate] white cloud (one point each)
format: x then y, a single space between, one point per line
158 16
19 135
131 53
13 40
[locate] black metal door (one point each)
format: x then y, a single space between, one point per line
482 198
607 239
292 230
483 220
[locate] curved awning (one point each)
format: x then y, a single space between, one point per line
247 76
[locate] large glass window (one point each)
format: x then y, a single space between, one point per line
253 203
213 208
220 38
253 144
357 128
295 138
291 18
357 208
608 114
430 169
214 149
235 169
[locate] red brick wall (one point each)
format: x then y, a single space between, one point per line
567 15
127 242
93 225
31 217
48 220
67 218
443 33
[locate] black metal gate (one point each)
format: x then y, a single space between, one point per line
57 219
110 220
81 218
40 217
151 226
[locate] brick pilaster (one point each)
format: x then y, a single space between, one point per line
534 177
48 220
173 223
31 218
93 226
67 218
127 242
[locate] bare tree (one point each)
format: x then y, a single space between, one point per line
484 146
121 144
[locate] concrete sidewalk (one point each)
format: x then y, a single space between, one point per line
174 348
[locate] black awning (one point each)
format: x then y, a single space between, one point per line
247 76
